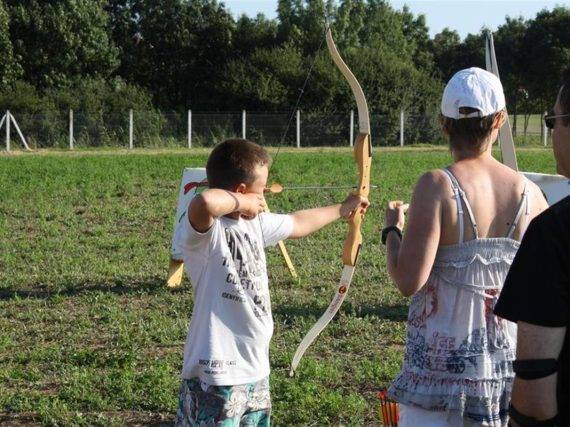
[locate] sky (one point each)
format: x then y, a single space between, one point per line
464 16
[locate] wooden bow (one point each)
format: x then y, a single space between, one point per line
353 241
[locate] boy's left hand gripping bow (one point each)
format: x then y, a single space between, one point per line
353 241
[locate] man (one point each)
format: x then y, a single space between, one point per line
536 295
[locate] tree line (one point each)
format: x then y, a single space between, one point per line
106 55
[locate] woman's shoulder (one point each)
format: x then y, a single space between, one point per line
434 182
530 186
537 198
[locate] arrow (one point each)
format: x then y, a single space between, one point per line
276 188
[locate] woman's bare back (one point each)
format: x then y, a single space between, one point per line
494 192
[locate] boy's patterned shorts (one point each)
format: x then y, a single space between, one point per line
247 405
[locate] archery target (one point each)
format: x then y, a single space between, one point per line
193 183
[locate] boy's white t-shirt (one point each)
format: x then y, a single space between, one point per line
232 324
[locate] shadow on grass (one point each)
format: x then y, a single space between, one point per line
119 286
395 313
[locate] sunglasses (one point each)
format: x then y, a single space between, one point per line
550 119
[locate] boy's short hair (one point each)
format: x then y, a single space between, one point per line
564 97
470 134
234 161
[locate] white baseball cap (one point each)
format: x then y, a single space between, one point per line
473 88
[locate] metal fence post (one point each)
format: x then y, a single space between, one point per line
298 129
71 129
2 120
20 134
351 128
243 124
401 127
544 130
7 130
189 128
130 129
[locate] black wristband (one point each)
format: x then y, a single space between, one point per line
387 230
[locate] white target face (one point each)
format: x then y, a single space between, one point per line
193 182
554 187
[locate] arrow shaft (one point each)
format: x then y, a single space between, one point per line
326 187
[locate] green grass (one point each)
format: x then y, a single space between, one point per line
89 334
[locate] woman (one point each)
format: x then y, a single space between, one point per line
465 224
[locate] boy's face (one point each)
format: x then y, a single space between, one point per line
260 182
257 186
561 142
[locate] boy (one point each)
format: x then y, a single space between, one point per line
225 375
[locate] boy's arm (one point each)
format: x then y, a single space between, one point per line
308 221
216 202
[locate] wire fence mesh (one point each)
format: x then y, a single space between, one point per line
140 129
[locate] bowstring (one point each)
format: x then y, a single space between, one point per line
298 102
294 110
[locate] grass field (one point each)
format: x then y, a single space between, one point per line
90 335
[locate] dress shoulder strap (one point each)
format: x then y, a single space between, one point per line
524 207
460 196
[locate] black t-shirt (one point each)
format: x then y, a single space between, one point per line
537 288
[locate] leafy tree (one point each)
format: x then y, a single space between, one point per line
175 47
301 22
28 101
417 34
183 54
9 67
445 47
377 43
253 34
125 32
509 47
509 50
545 50
61 39
265 81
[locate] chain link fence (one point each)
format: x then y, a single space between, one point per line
145 129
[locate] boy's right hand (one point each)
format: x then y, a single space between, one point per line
251 204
